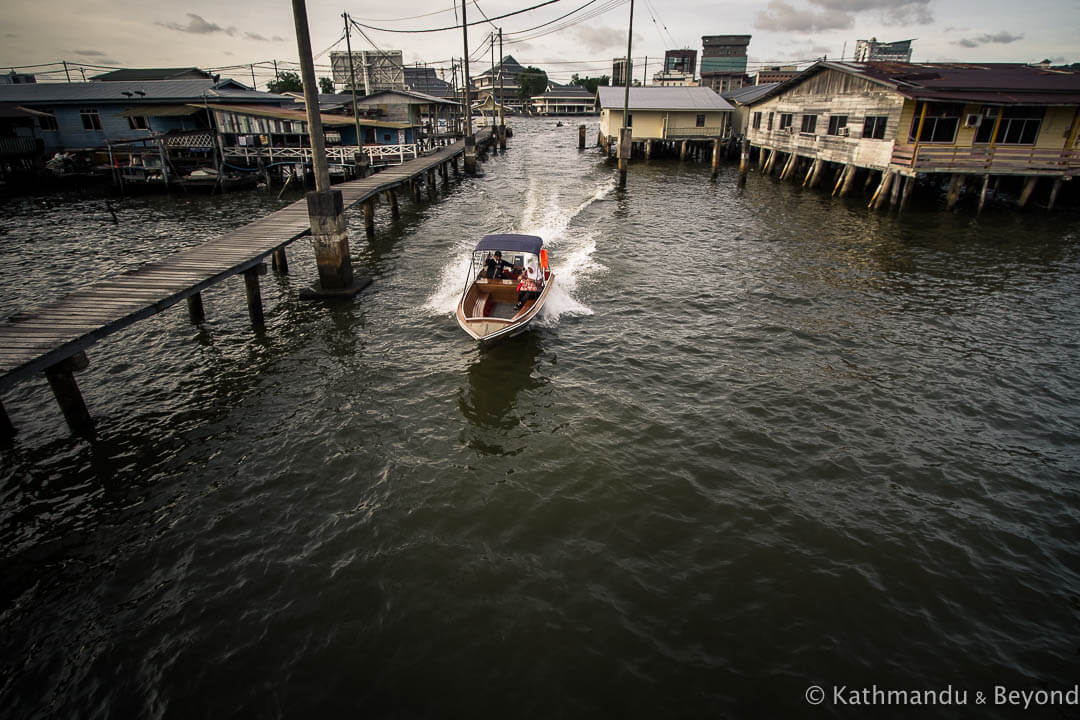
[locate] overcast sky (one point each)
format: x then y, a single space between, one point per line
214 34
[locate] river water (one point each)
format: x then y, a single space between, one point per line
761 440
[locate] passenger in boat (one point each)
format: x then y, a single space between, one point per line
529 286
493 266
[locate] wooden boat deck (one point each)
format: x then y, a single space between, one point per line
37 339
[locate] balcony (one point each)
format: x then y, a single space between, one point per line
983 159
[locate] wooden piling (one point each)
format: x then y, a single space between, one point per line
982 194
395 212
1054 192
789 166
811 171
369 217
648 149
894 197
682 149
196 312
842 179
280 261
1029 187
254 296
624 150
744 160
62 381
953 195
581 137
882 192
909 183
470 154
7 430
432 186
761 159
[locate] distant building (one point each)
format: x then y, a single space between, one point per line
873 51
723 62
501 82
618 72
424 80
679 69
775 74
374 71
673 113
564 100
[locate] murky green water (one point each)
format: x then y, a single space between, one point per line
761 440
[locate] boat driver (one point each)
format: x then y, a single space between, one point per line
493 266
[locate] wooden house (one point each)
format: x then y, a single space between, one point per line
684 115
903 120
564 100
430 117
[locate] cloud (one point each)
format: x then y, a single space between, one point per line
100 57
783 16
600 39
254 36
199 26
1004 38
88 53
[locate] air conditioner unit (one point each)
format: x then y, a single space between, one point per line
791 129
972 120
844 132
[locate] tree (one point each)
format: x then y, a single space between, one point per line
326 86
531 81
589 83
286 82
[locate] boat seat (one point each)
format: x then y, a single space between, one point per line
480 307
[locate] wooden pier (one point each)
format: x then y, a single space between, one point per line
53 338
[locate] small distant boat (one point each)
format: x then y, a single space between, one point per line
489 308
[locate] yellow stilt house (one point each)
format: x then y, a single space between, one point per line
905 119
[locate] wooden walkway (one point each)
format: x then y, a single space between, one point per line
47 337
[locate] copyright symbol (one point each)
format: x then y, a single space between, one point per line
815 695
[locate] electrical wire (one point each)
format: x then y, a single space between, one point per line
458 26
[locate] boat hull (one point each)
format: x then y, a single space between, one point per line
485 296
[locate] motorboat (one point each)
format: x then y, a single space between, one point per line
504 268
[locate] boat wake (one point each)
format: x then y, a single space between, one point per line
571 251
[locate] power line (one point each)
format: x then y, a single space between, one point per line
458 27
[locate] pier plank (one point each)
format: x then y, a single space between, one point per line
32 340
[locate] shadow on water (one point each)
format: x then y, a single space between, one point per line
495 381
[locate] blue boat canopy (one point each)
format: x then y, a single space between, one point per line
514 243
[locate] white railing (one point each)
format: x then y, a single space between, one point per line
718 131
335 154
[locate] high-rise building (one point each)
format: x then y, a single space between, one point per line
873 51
723 61
679 68
618 72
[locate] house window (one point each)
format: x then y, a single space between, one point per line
1018 126
838 123
769 126
940 123
138 122
91 120
48 123
809 124
630 120
700 121
757 121
874 127
785 120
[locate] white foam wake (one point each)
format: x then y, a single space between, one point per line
571 252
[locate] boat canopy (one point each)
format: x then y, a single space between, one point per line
516 243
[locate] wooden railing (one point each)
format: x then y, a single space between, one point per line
717 131
335 154
997 160
17 146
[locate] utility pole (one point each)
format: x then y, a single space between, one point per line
66 70
326 209
502 125
627 133
361 159
645 72
253 85
470 141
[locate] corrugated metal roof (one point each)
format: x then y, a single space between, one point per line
663 98
160 110
280 113
750 93
8 110
418 98
150 91
987 83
